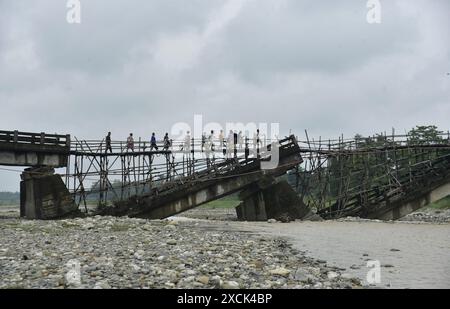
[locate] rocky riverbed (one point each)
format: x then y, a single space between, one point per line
106 252
214 214
429 215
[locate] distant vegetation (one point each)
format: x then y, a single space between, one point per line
230 201
442 204
9 198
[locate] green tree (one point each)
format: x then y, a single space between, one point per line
425 135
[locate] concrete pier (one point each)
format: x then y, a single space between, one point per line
43 195
270 200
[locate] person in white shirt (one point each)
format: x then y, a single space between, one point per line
209 147
187 142
240 139
230 144
211 141
221 138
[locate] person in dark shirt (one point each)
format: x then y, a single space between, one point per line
153 143
203 141
235 142
247 150
108 143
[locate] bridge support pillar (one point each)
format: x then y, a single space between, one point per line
253 207
43 195
269 200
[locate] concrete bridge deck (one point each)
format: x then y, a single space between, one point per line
33 149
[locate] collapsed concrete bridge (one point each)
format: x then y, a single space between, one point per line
147 183
384 176
426 183
219 180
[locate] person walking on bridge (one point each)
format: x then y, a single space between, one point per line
153 142
203 141
230 140
167 142
130 142
240 139
235 142
108 143
221 142
256 140
187 142
211 141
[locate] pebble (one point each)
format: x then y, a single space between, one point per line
170 227
280 272
203 279
230 285
216 281
332 275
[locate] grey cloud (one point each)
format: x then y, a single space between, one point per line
141 66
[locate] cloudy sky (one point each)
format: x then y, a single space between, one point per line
142 66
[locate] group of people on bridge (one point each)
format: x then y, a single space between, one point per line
167 143
227 145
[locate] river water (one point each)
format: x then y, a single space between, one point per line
411 255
